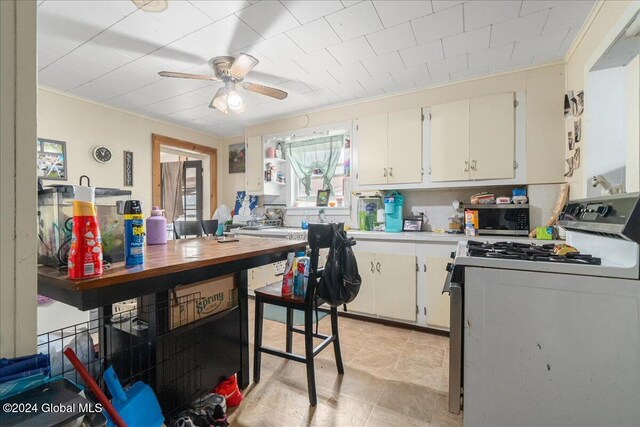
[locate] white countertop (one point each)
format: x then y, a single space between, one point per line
409 236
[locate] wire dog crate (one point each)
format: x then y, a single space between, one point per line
180 363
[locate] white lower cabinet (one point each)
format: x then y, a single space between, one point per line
388 281
437 304
255 278
433 306
396 286
262 276
365 301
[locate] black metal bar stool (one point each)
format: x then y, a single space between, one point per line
319 236
183 229
209 227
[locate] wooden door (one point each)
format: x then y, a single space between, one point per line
254 172
396 286
449 154
372 150
404 146
437 303
365 301
492 137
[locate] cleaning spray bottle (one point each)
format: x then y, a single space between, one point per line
85 255
133 233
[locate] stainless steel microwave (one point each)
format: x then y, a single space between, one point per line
505 220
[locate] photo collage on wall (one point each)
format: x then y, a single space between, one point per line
573 109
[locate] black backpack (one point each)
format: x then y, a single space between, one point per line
340 281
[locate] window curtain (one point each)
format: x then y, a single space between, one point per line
320 153
172 173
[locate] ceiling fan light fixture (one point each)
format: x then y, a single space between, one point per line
219 101
234 100
151 5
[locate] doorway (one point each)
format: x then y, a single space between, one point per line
192 194
198 186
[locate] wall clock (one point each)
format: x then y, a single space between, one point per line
102 154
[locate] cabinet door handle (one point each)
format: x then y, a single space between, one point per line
378 267
466 166
372 269
424 266
474 165
385 172
390 171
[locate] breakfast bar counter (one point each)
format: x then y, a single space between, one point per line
216 344
179 262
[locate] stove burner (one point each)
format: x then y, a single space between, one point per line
526 252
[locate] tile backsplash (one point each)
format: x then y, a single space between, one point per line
437 205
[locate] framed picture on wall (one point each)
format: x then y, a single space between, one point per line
52 159
237 158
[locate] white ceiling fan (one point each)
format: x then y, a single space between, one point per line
232 72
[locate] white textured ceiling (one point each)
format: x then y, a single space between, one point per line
322 52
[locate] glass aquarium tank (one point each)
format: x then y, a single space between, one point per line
55 223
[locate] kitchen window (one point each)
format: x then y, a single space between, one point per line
320 163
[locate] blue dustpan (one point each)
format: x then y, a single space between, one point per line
138 406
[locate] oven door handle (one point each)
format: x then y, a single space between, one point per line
447 282
446 289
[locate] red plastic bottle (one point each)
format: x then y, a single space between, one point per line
85 255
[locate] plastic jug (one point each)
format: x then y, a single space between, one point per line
156 227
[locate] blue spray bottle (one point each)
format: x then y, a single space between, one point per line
133 233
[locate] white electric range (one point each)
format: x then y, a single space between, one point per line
540 339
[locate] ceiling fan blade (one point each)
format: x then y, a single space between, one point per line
265 90
242 65
219 101
187 76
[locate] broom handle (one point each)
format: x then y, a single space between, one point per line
88 379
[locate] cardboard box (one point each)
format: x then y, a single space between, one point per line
199 300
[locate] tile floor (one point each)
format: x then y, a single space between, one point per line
393 377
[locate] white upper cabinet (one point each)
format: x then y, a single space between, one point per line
389 148
473 139
492 136
254 165
372 150
404 146
450 141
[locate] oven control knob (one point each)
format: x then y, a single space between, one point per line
449 267
604 210
453 255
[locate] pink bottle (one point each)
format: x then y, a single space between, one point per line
156 227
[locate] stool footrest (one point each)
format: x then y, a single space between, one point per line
279 353
323 345
300 331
